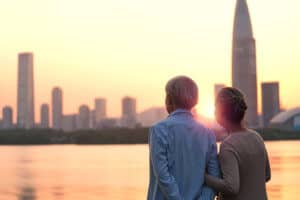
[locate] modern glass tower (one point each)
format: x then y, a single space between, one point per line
25 113
244 60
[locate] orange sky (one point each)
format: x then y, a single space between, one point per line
132 47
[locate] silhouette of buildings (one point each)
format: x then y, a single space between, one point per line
83 120
7 115
25 99
270 101
128 112
57 108
244 60
44 116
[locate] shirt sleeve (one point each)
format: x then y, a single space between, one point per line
158 156
212 168
230 184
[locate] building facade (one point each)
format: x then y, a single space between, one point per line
57 108
25 99
128 112
83 121
44 116
244 61
7 121
270 101
100 110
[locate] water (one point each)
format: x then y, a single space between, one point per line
70 172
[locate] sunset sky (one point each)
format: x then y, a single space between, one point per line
113 48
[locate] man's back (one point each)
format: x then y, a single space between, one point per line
181 150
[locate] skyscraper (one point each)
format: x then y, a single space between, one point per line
25 113
244 60
57 108
128 112
44 116
7 114
270 101
100 109
83 117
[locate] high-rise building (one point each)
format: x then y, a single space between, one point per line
44 116
244 60
57 108
83 121
270 101
129 112
7 121
100 109
218 88
69 123
25 105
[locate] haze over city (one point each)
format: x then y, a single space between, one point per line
112 49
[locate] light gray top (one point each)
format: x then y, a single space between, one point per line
245 168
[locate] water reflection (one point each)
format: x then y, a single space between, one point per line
27 193
112 172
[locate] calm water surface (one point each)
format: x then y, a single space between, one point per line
111 172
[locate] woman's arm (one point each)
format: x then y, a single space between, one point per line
268 169
230 184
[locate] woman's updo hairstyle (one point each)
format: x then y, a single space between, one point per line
233 104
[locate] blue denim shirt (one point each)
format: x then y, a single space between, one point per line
181 151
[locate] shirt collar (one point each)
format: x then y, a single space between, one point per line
180 111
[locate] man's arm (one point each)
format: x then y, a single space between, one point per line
212 168
158 155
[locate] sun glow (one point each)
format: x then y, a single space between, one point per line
207 110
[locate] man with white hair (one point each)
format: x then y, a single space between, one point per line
181 149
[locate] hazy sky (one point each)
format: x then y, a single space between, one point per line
132 47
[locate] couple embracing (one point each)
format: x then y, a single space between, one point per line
184 164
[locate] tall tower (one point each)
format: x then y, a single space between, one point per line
25 113
57 108
244 60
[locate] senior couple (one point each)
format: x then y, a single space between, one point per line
184 164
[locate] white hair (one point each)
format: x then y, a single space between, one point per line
183 91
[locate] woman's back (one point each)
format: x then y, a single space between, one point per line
248 149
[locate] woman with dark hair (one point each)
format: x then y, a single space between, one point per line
243 157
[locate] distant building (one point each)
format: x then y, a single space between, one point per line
25 100
151 116
69 123
218 88
57 108
270 101
100 109
44 116
108 123
7 121
128 112
83 119
244 61
287 120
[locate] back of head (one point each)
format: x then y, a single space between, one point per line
232 103
183 92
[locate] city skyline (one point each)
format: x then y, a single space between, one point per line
130 47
